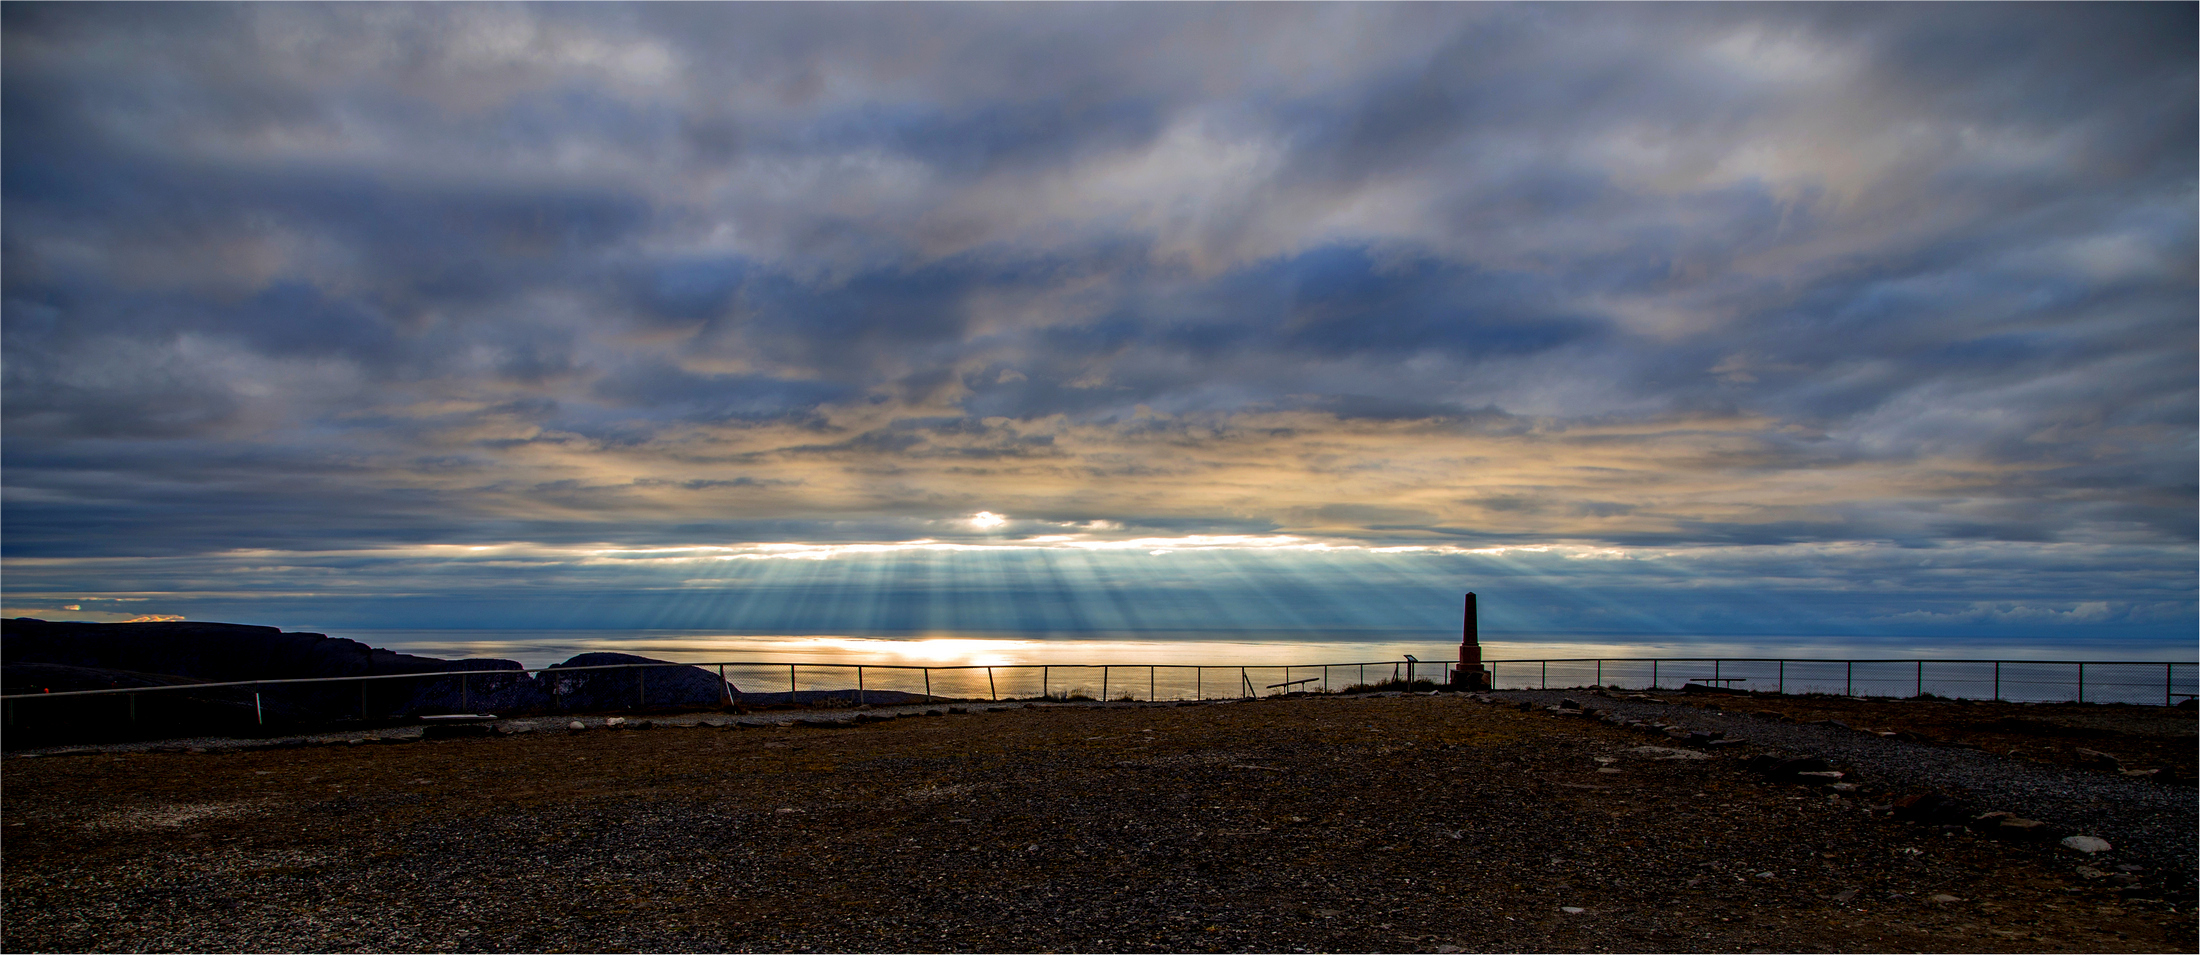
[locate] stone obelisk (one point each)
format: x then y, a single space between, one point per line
1471 674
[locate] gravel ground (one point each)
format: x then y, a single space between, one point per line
1400 823
2144 819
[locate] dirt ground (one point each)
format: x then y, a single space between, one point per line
1403 823
2139 737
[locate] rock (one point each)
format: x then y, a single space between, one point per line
1667 752
615 721
1572 909
576 726
1825 776
1570 703
1942 897
2098 760
2089 872
2086 844
664 684
752 725
1837 724
2025 829
2141 773
1843 787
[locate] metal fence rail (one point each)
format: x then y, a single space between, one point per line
2033 681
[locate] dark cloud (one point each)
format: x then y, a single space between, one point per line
1720 276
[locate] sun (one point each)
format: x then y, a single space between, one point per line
987 520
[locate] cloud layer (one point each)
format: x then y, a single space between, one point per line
334 278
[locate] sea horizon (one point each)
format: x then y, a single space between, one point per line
1216 648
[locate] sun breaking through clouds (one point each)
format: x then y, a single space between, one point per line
1895 301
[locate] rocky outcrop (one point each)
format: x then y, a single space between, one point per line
623 688
38 656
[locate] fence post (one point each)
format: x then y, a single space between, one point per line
790 684
725 692
1544 682
1103 684
1715 674
1045 691
1997 681
996 691
1600 672
258 716
462 704
1325 681
928 684
1149 684
1653 674
2169 677
1783 688
1921 678
1848 681
1199 687
2081 682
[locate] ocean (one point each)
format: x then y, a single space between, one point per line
1181 665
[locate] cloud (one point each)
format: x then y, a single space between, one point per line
1699 276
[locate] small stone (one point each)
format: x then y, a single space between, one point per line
1844 895
615 721
1827 775
1843 787
1572 909
576 726
2089 872
2086 844
1942 897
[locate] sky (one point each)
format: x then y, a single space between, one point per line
1865 319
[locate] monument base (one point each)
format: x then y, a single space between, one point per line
1474 679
